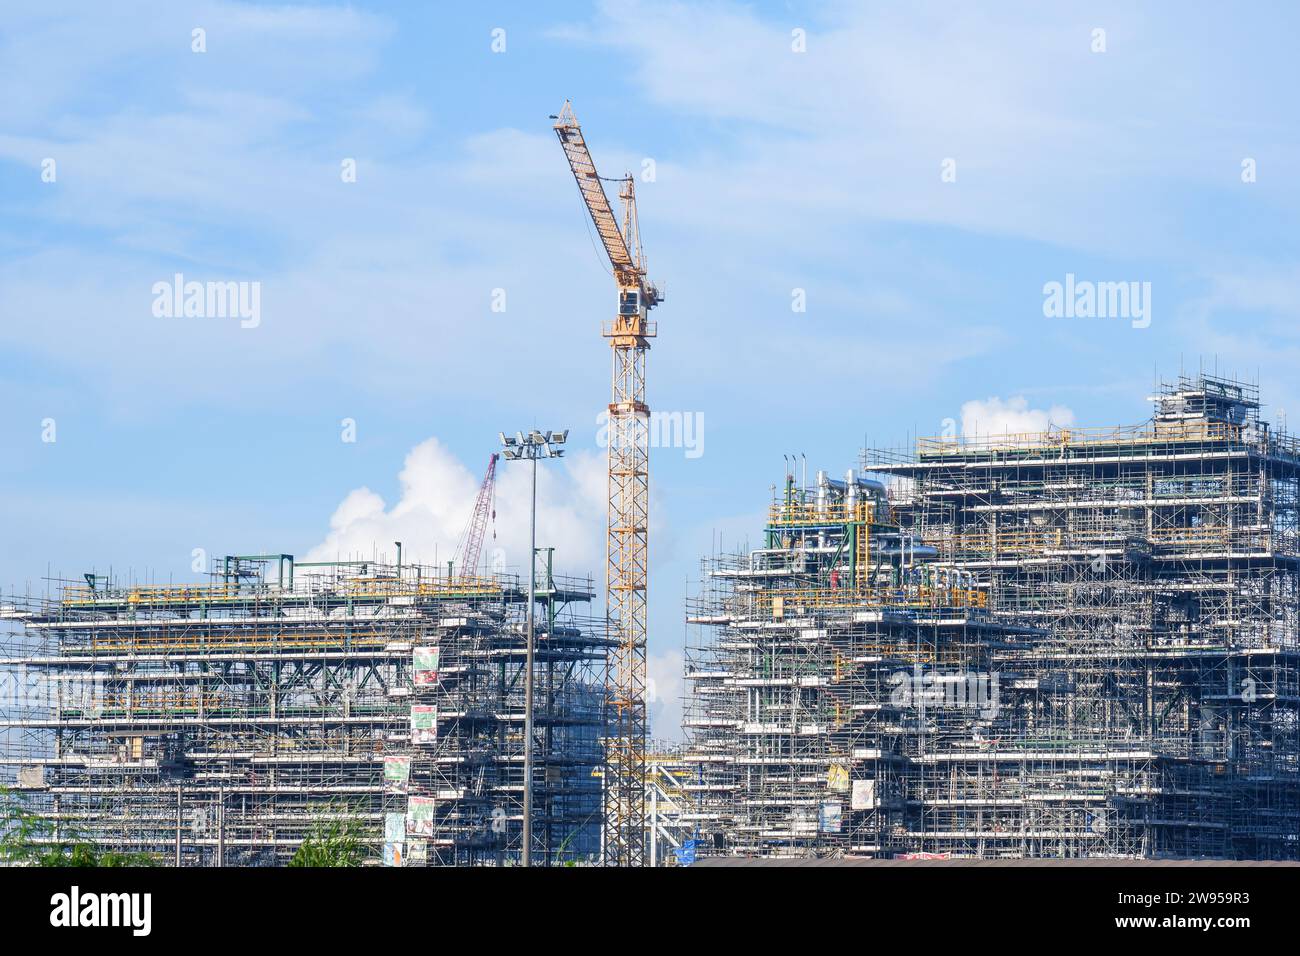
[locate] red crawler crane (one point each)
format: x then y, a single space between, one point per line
471 539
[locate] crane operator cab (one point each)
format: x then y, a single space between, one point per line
629 302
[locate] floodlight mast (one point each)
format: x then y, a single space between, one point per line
536 445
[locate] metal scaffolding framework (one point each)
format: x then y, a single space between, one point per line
219 723
1062 644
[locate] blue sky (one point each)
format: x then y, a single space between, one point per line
775 170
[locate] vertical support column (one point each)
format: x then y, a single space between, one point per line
528 671
627 549
221 826
178 826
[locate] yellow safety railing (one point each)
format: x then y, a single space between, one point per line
846 666
982 542
795 513
1027 541
163 701
1058 438
1221 537
272 744
863 558
289 640
391 587
75 595
782 601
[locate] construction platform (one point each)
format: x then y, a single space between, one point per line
1068 644
220 723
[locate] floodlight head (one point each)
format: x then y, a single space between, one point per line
537 438
507 442
560 437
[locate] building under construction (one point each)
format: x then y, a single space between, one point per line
1063 644
221 723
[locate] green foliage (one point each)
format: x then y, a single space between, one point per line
87 854
21 831
331 843
27 839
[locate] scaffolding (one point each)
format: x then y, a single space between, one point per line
1065 644
219 724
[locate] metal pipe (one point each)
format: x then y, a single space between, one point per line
178 826
654 826
221 826
528 676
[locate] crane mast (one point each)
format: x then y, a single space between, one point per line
627 536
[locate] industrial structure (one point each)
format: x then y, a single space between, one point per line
223 722
219 723
1074 643
627 535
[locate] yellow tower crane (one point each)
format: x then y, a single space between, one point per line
627 537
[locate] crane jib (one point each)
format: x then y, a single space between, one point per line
612 236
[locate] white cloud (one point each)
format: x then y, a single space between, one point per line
664 694
996 416
437 495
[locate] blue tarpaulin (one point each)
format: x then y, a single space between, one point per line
686 852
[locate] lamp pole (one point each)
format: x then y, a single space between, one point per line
528 672
531 447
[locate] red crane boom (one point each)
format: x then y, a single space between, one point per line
471 539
